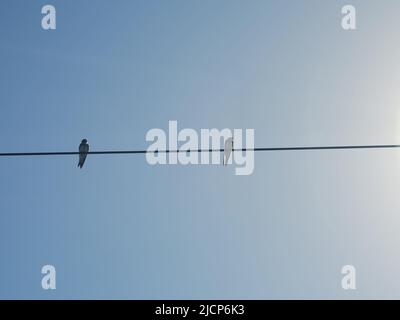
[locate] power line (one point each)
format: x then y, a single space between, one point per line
305 148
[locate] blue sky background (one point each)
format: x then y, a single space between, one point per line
120 228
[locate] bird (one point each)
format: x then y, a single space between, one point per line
228 150
83 151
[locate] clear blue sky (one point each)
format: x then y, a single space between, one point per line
120 228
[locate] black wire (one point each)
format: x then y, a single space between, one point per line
27 154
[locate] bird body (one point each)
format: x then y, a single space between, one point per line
83 151
228 150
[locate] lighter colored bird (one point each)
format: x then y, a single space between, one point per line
228 150
83 151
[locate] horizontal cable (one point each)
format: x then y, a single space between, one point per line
28 154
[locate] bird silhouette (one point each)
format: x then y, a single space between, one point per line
83 151
228 150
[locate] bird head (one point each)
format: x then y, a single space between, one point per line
84 141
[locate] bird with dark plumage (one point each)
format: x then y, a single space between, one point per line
83 151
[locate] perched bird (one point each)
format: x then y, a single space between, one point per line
83 151
228 150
